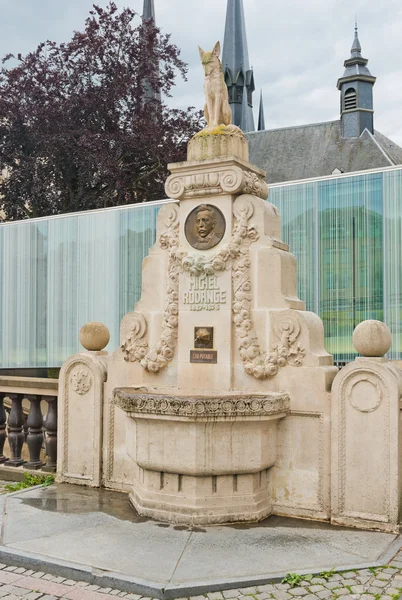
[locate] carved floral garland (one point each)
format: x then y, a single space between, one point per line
137 351
261 365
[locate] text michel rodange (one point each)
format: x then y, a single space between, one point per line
204 294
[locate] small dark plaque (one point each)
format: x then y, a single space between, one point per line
205 227
204 356
203 337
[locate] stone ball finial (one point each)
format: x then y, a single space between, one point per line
94 336
372 338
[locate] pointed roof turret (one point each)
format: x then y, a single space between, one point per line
148 12
236 66
356 65
356 47
261 116
356 87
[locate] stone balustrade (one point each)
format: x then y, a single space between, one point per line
28 415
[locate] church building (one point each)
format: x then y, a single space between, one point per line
346 145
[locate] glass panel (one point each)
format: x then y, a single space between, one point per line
337 237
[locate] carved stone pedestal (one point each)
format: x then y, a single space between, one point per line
200 460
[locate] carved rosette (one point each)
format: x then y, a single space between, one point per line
81 380
231 180
223 406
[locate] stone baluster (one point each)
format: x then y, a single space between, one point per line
51 433
35 432
3 423
15 430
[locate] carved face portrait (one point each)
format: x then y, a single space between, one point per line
205 227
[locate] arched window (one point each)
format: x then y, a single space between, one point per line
350 99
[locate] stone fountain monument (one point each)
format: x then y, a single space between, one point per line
217 406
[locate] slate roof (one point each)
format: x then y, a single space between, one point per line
316 150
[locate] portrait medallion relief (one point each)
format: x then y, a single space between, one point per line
205 227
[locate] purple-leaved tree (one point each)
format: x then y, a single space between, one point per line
78 129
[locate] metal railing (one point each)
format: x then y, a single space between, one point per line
28 415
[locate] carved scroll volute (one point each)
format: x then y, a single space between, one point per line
175 187
133 330
168 218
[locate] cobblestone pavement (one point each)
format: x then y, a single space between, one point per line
379 583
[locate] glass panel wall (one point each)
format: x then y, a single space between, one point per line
346 234
57 274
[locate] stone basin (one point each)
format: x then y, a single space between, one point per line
202 459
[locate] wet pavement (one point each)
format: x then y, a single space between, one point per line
96 537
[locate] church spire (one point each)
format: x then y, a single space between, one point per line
236 66
261 116
148 13
148 16
356 87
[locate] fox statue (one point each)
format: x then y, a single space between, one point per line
217 110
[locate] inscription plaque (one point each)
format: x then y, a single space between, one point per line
203 337
204 294
205 227
204 356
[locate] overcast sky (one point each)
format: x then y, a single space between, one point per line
297 48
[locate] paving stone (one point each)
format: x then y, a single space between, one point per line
218 595
349 575
10 569
310 597
298 591
335 577
263 596
316 588
390 570
38 574
227 594
392 591
47 597
2 566
324 594
113 592
280 595
82 584
106 591
357 589
330 585
269 588
33 596
374 590
93 588
137 597
382 575
341 591
29 573
11 597
378 583
12 589
282 586
244 591
363 579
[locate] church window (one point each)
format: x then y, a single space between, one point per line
250 97
350 99
239 94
